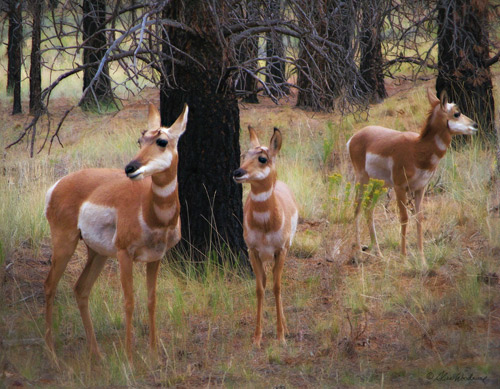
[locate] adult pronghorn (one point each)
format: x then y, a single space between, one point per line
270 220
131 215
405 161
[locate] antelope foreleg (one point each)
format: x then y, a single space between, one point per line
151 277
95 264
279 262
260 282
403 215
126 277
419 196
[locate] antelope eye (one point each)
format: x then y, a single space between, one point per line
262 159
162 142
456 114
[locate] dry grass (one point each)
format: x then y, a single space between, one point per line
372 322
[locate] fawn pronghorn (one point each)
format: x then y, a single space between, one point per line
131 215
270 220
405 161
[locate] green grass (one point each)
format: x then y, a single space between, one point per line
399 323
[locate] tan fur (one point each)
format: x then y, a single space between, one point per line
405 160
116 216
270 220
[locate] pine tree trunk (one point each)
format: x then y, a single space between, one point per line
94 16
318 75
246 84
371 52
209 151
36 58
462 55
14 53
275 74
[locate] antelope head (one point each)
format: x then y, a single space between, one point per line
158 146
258 164
456 122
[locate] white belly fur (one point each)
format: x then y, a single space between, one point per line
267 244
97 225
380 168
420 179
153 244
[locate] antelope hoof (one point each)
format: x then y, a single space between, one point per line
50 345
256 341
96 352
425 266
97 356
282 340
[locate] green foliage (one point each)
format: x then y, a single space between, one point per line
372 193
339 193
206 311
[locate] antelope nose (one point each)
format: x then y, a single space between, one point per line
132 167
238 173
474 125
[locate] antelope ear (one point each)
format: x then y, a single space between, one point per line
154 119
179 126
433 100
254 140
275 143
444 100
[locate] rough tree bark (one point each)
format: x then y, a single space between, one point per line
246 84
323 73
209 151
275 50
36 105
372 21
36 58
247 51
313 67
463 54
14 53
94 17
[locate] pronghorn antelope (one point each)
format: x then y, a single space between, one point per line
270 220
131 215
405 161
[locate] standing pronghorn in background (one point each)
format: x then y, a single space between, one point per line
270 221
131 215
405 161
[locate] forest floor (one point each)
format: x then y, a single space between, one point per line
354 320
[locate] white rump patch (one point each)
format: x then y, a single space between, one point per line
97 224
165 191
348 143
261 217
165 215
439 143
379 167
262 196
48 196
